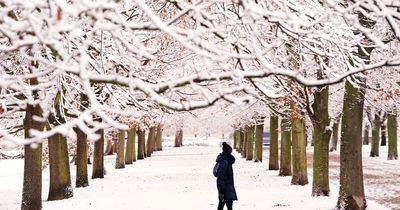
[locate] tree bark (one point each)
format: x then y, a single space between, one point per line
259 142
120 160
235 139
367 125
178 138
299 156
351 193
110 147
82 179
141 136
60 178
159 137
376 126
244 142
335 136
151 138
239 140
273 144
130 155
286 153
392 135
250 142
98 156
321 136
383 131
32 184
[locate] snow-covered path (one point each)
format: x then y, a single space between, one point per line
181 179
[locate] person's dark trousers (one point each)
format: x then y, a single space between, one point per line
228 205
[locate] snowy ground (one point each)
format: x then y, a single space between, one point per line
381 176
179 179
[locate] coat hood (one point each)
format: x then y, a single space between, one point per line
226 156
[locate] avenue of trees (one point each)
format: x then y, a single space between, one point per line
69 70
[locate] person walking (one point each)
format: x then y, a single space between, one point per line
225 183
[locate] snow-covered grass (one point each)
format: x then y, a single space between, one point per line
381 176
175 178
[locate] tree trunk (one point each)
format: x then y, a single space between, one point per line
250 142
176 142
140 134
159 137
335 136
351 193
32 184
376 126
130 147
286 153
235 139
299 158
321 136
392 135
178 138
98 156
259 142
120 160
238 134
383 132
244 144
151 138
273 144
110 147
367 125
60 178
82 179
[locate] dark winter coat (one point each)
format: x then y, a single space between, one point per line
225 183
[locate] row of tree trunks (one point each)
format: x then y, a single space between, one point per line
130 155
286 153
273 146
120 160
249 141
